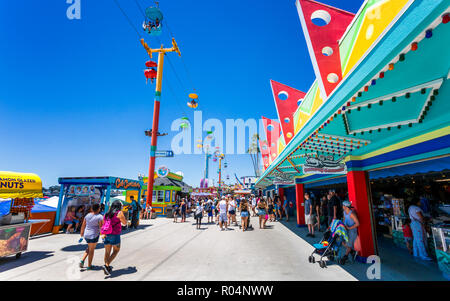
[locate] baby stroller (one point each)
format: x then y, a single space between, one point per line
330 244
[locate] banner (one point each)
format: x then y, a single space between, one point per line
20 185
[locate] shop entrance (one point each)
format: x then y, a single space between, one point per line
391 199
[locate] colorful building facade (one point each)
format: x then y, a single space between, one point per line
378 107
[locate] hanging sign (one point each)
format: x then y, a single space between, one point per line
162 171
283 179
165 154
20 185
324 165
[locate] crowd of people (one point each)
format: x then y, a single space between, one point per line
320 212
223 211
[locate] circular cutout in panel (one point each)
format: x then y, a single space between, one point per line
289 135
287 120
283 95
270 127
332 78
369 31
299 101
320 17
327 51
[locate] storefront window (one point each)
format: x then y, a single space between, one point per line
160 196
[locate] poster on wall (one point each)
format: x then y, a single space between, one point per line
130 193
80 195
167 197
14 240
324 165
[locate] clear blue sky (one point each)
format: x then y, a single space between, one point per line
73 98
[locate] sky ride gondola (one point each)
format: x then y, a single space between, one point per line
153 21
193 103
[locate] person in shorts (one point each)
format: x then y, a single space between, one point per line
244 209
115 218
209 207
262 212
309 215
407 233
232 210
223 209
90 231
351 223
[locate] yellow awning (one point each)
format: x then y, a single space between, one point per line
19 185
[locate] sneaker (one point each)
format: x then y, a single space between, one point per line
81 264
106 270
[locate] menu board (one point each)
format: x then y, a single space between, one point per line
14 239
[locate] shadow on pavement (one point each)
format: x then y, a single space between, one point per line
80 247
7 263
126 271
396 264
131 230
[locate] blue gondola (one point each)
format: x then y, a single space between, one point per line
153 21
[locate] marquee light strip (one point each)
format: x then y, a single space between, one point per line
434 85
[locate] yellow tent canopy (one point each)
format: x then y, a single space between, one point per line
19 185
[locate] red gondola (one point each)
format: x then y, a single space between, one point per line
150 74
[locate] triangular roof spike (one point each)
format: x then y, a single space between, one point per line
323 26
265 153
272 130
287 100
264 147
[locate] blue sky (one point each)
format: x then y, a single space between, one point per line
73 97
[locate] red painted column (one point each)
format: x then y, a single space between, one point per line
281 194
359 195
300 203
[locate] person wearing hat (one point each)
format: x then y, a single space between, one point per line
351 223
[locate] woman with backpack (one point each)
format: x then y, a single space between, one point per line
111 230
90 231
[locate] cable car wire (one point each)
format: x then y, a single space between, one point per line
177 100
128 19
182 60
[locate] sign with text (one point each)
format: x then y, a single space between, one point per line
323 165
165 154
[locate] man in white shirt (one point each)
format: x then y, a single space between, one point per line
223 210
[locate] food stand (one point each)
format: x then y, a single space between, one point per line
167 190
19 190
84 192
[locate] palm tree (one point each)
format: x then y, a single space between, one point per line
254 151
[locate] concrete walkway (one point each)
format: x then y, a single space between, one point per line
163 250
